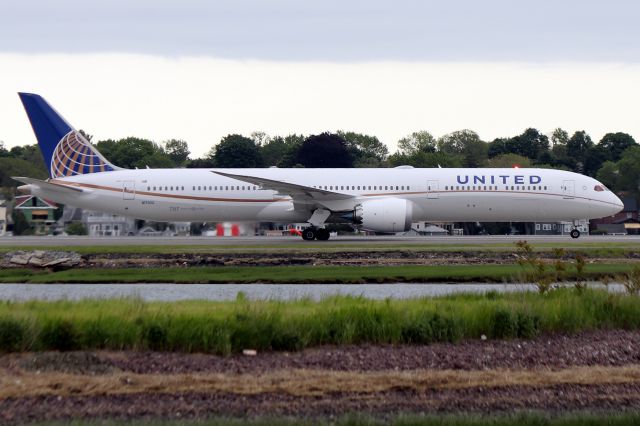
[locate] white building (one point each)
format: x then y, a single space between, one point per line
99 224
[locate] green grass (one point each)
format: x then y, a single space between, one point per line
294 274
592 249
529 419
226 327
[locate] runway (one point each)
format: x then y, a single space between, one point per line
84 241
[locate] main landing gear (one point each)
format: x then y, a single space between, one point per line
313 233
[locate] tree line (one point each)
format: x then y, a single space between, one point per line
614 160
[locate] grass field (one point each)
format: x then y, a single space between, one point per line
593 249
298 274
226 327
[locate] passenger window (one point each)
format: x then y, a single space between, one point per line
183 188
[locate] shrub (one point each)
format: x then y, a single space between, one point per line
418 330
505 324
528 325
446 329
155 335
11 335
59 335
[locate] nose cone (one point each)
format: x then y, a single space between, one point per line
616 204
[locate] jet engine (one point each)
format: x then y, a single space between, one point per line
384 215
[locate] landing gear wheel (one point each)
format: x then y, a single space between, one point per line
309 234
574 233
322 234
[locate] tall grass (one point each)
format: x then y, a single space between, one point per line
226 327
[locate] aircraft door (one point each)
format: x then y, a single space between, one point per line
432 189
568 188
128 190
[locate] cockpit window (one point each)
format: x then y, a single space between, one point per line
600 188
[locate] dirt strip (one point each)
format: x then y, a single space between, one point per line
305 382
555 399
557 351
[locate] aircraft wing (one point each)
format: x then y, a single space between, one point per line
299 193
49 186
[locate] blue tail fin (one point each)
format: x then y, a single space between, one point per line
66 152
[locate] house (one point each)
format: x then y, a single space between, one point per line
560 228
99 224
38 212
426 229
624 222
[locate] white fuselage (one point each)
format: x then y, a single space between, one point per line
452 195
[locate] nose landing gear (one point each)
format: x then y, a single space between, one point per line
575 232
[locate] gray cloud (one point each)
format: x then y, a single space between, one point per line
331 30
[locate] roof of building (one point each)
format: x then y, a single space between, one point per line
22 202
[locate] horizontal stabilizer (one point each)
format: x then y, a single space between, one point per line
49 186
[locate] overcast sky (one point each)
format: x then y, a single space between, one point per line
202 69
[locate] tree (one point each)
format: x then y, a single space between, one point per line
76 228
629 166
20 224
509 161
465 144
3 151
273 151
324 150
578 145
236 151
86 135
421 141
608 175
200 163
260 138
133 153
31 154
559 137
614 144
177 150
498 146
366 150
593 160
290 157
425 159
530 143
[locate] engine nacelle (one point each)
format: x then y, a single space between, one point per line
385 215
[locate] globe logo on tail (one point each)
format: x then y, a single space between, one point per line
74 155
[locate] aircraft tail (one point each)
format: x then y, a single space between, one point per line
66 152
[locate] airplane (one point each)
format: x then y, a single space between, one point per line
384 200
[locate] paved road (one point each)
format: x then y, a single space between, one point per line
278 241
